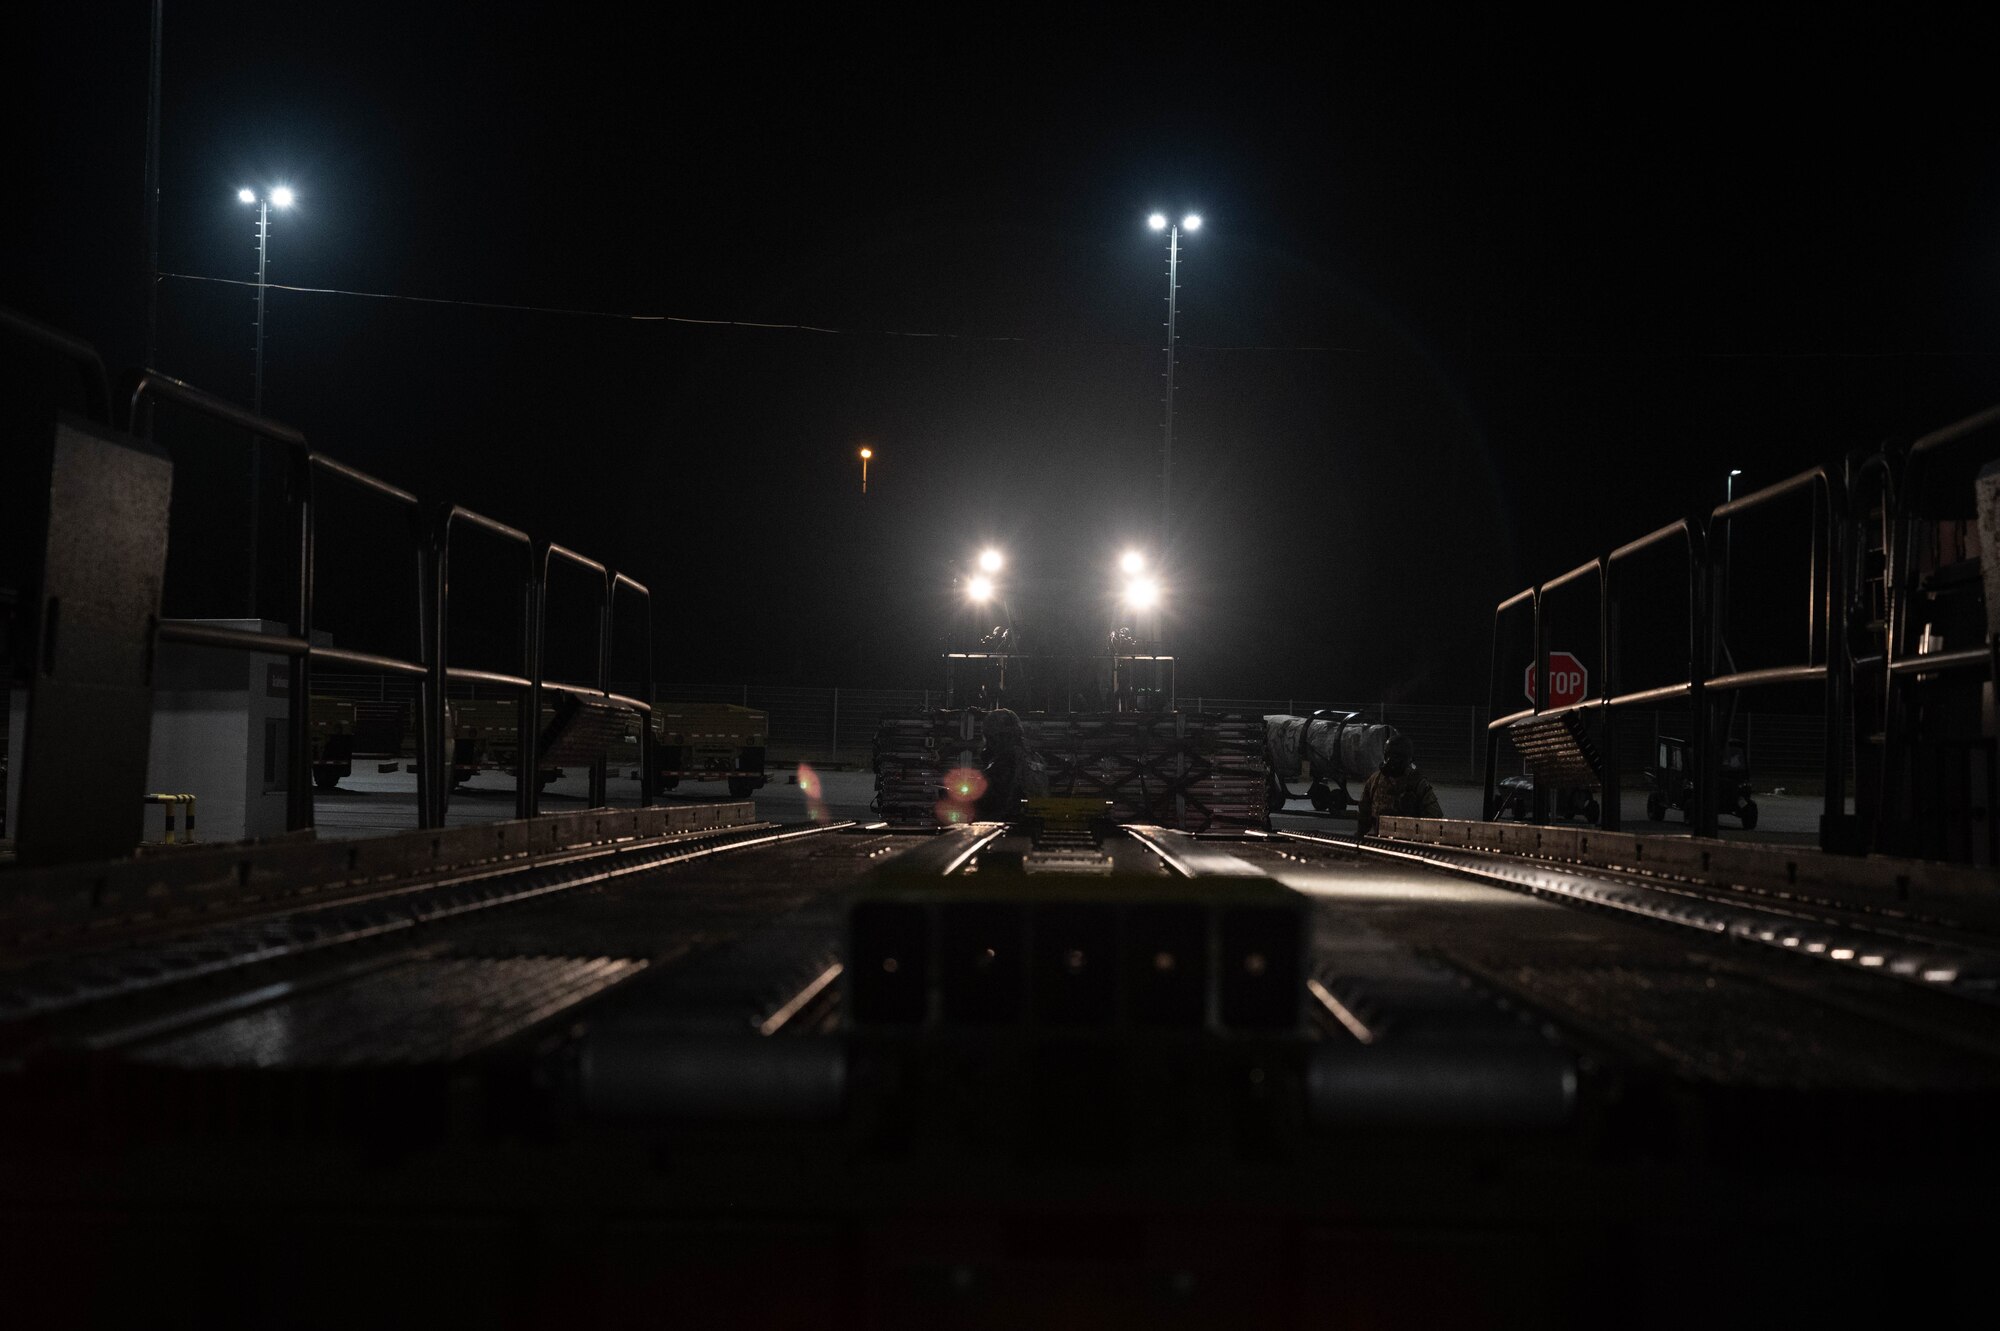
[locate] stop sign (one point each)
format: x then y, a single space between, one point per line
1568 680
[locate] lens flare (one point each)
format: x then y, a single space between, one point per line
814 790
962 788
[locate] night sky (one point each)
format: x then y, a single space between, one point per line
1476 298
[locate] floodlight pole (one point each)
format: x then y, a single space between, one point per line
1167 445
263 253
153 194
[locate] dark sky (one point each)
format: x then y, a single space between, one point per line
1477 298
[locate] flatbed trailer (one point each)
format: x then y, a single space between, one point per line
709 742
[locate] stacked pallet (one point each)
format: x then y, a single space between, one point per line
1192 770
1228 772
914 751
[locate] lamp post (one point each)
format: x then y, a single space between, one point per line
1158 222
280 197
866 453
1729 530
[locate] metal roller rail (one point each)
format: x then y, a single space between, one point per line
57 986
1849 938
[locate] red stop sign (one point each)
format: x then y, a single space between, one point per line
1568 680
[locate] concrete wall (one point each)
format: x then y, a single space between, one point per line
219 734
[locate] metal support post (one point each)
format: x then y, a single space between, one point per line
1167 445
528 793
298 764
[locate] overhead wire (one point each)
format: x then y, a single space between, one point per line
1019 340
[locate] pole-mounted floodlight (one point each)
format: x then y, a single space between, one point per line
980 589
279 196
1142 593
1131 562
866 453
1189 222
990 561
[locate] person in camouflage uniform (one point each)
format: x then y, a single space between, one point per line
1396 788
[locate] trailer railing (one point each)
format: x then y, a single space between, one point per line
1826 609
430 670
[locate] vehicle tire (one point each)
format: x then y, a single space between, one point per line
667 783
326 780
1656 809
1274 796
1749 815
1321 796
1336 800
1592 811
549 777
742 787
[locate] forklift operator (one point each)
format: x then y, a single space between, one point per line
1397 788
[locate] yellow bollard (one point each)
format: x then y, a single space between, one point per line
171 802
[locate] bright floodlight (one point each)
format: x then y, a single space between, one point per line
1131 562
281 197
980 589
1142 593
246 196
867 453
989 561
1158 221
1192 222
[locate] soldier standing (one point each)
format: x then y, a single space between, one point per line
1397 787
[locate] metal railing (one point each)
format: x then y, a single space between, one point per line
1844 647
1707 606
444 674
1693 683
1909 669
1826 610
430 672
80 354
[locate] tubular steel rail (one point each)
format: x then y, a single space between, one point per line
642 704
1693 685
1904 662
531 746
1861 662
443 673
1707 595
89 365
1826 638
431 671
150 387
431 535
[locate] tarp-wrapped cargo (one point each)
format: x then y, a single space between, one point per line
1330 748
